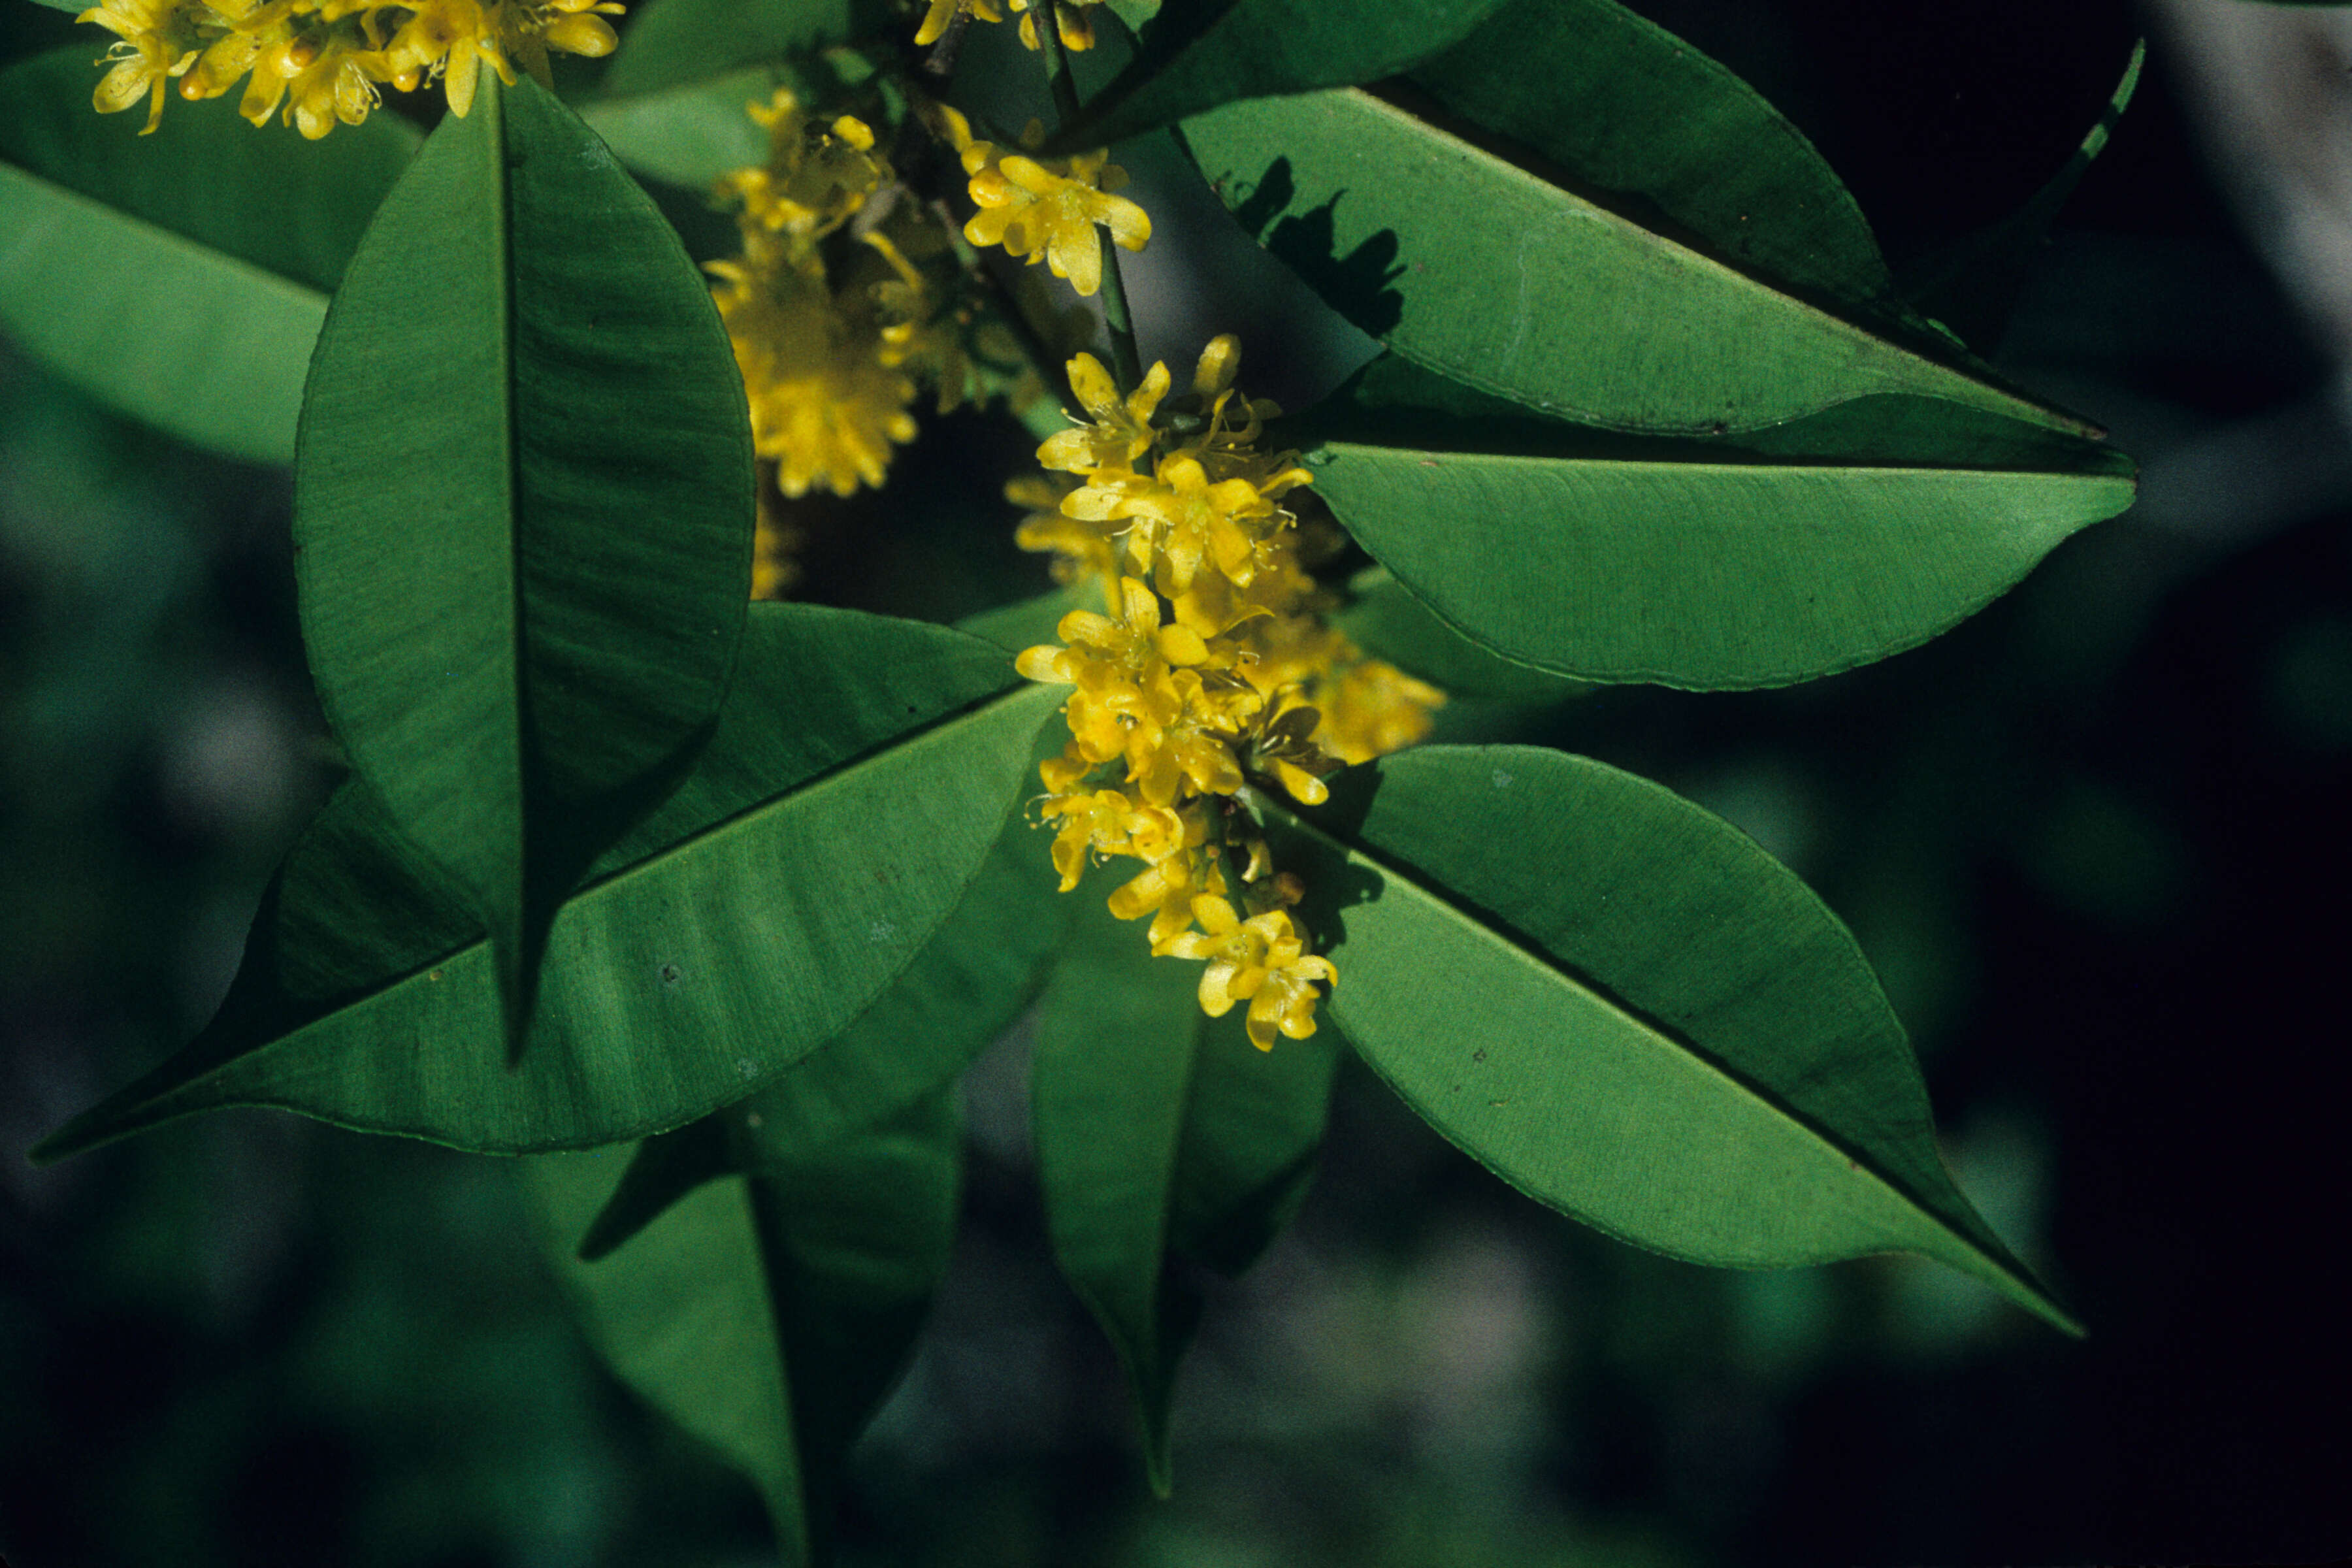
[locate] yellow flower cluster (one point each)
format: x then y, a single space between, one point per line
325 59
1212 665
833 340
1046 209
1070 19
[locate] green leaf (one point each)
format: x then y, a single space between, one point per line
1248 49
179 278
1475 269
1029 622
1620 103
1740 562
969 985
1627 1010
1974 289
690 135
769 1315
1160 1130
1386 621
1115 1038
860 771
675 43
523 511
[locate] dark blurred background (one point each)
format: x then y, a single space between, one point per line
2094 840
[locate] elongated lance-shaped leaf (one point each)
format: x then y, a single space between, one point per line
1627 1010
1617 102
1205 55
523 511
179 278
1974 289
1755 559
1160 1130
861 769
1476 269
1116 1038
768 1311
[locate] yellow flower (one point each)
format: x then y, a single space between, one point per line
1260 960
154 43
1123 669
1047 211
1371 708
1120 430
1184 519
816 177
1082 550
1076 31
943 12
823 406
1165 892
1285 748
333 88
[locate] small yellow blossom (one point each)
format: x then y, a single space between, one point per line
1120 430
324 60
1260 960
942 13
1075 29
1046 210
824 408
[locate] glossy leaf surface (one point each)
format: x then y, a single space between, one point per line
805 863
1478 270
179 278
1618 101
1626 1009
1741 562
523 511
768 1313
1205 55
1160 1130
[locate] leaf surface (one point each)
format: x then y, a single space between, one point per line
1749 561
1627 1010
800 868
1618 101
523 511
1249 49
1473 268
1385 620
970 984
179 278
769 1313
1160 1130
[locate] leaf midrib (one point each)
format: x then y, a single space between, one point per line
827 777
1645 1028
